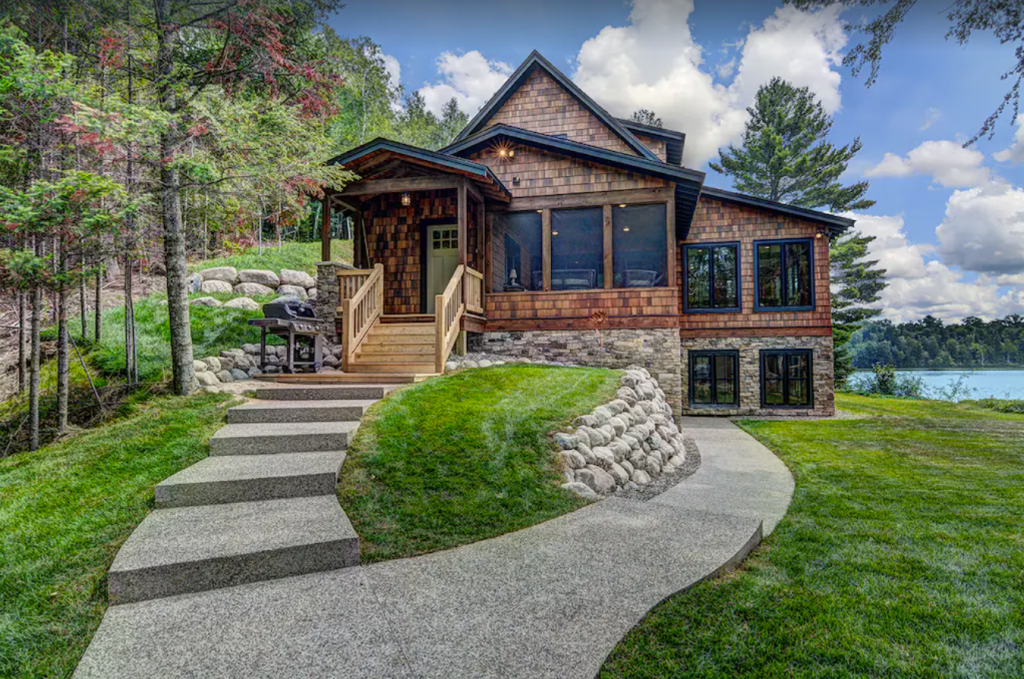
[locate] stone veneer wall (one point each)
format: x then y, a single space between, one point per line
750 373
656 349
328 295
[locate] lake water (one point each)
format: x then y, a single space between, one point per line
981 383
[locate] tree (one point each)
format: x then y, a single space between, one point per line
785 155
857 284
1003 19
453 119
645 117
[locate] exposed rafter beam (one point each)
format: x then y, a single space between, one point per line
377 186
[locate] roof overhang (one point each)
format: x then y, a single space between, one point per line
537 61
371 157
688 182
674 141
834 223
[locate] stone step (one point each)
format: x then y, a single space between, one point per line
292 437
318 410
311 391
249 478
193 549
382 367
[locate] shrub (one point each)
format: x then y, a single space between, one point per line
885 381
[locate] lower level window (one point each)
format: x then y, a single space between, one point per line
786 378
714 378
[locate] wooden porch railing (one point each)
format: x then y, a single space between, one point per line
349 282
449 309
474 291
360 311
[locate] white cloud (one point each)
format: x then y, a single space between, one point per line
983 229
919 286
931 116
1015 153
393 68
470 78
946 162
654 63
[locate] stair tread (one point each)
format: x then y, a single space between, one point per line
307 390
283 429
191 534
326 404
247 467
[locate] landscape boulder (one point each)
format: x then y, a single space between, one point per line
260 276
246 303
292 290
298 278
253 289
205 301
581 489
596 478
238 374
228 274
225 376
207 378
215 286
199 367
194 283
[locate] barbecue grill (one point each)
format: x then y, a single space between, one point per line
295 322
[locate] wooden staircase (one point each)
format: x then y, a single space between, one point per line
407 348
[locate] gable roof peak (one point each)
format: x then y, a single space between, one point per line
537 60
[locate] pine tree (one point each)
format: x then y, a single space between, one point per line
857 284
646 117
785 155
452 122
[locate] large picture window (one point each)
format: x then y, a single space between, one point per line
577 249
785 277
786 378
518 243
639 246
712 277
714 378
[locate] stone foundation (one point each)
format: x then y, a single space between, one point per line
656 349
749 349
328 295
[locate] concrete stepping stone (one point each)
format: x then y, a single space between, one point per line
193 549
268 439
250 478
339 392
261 412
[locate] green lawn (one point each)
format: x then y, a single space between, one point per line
297 256
464 457
65 511
902 555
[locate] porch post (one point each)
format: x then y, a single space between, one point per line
461 191
325 229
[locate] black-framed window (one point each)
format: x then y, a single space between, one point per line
517 256
786 378
784 274
714 378
577 249
712 277
639 246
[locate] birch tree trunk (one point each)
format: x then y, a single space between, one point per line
33 376
22 336
98 310
170 204
62 341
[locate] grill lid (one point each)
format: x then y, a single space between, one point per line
288 309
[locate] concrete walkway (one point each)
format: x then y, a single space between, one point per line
547 601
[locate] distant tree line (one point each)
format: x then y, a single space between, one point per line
928 343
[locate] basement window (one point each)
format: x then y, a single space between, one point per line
714 378
786 378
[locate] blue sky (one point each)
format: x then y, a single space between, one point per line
949 221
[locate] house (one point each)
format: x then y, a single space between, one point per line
552 230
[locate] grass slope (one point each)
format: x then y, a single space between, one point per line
901 556
464 457
65 511
297 256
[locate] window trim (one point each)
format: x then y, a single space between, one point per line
757 274
739 278
695 353
809 353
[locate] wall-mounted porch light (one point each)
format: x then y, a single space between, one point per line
406 200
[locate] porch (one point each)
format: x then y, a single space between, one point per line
418 281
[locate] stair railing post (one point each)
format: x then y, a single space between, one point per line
440 333
348 334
